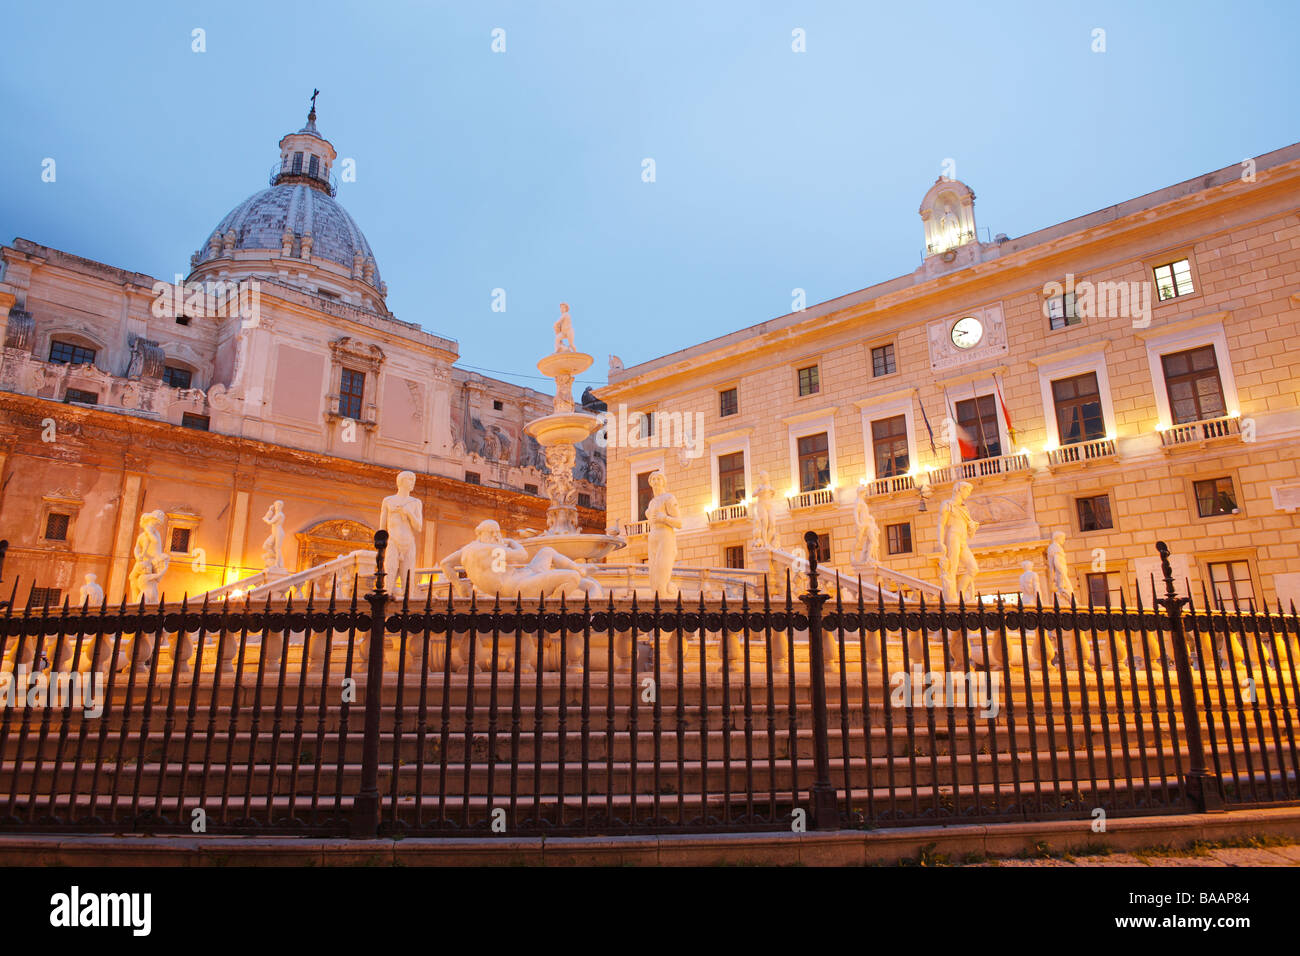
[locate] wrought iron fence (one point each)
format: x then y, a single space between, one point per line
527 717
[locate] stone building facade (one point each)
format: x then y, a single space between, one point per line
1125 377
272 371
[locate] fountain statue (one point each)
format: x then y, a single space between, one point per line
665 519
273 546
958 568
402 516
499 567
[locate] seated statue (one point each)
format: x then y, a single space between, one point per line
499 566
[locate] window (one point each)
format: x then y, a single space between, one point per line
182 320
297 162
733 556
530 489
823 547
56 526
889 442
1078 409
80 395
44 597
647 424
643 494
197 422
1103 589
1230 582
898 538
1215 496
1192 380
472 477
313 166
814 462
728 402
731 478
68 353
497 404
177 377
1174 279
1094 513
978 417
584 500
352 389
809 380
180 543
1062 311
882 361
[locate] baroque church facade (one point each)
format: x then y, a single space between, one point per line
273 372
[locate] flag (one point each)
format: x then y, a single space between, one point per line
964 442
926 418
1006 415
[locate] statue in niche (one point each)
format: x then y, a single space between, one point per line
491 446
665 521
500 567
273 546
866 547
402 516
563 329
958 568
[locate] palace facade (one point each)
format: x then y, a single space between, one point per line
1125 377
273 371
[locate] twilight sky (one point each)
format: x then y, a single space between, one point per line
522 170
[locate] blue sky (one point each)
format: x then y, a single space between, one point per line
523 170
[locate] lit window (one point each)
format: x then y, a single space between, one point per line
898 538
1094 513
731 478
56 526
882 361
978 417
809 380
352 390
728 404
68 353
814 462
177 377
1078 409
1215 496
1174 279
1193 384
889 443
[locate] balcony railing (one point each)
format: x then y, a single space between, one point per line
728 513
634 528
1203 431
1081 452
980 468
811 499
890 485
287 174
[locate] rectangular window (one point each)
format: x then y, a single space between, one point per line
733 556
197 422
978 417
731 478
584 500
1103 589
530 489
177 377
814 462
728 402
1192 381
56 526
823 547
297 162
643 494
352 390
44 597
66 353
898 538
1078 409
472 477
497 405
1174 279
80 395
882 361
809 380
1215 496
1062 311
647 424
1094 513
889 443
1230 582
180 541
313 166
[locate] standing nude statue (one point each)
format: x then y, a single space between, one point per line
665 520
402 516
764 515
866 548
564 330
273 546
1058 568
151 560
957 566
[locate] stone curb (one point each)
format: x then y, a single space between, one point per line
831 848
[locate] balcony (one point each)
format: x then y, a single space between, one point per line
635 528
1081 453
1200 434
811 499
728 513
889 486
980 468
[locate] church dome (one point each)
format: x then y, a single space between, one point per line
296 231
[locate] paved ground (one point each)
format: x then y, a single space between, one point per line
1288 855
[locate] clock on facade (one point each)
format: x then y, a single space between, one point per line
967 332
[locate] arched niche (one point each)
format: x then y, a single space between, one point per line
331 539
948 213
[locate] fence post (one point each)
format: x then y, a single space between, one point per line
365 807
825 801
1200 786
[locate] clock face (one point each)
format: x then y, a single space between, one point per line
967 332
